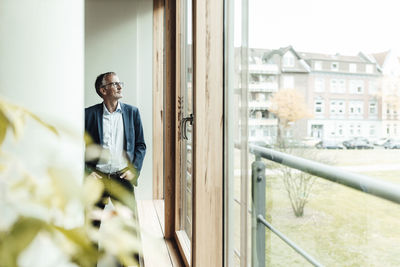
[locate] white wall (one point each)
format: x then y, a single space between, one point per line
118 37
41 68
41 51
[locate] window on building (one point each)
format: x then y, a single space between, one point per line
254 78
342 86
369 68
319 106
257 60
261 97
264 114
351 131
340 130
356 86
288 60
353 67
288 82
372 130
318 65
373 108
319 84
356 107
358 129
335 66
317 130
337 107
338 86
334 85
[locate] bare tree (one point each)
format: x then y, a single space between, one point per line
299 184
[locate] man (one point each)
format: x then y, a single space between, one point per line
117 128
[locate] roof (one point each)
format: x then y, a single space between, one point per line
281 51
381 57
336 57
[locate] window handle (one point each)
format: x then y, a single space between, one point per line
184 127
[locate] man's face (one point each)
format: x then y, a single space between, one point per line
112 89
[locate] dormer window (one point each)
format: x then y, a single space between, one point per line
369 68
288 60
318 65
335 66
353 67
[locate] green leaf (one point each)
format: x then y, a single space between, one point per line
64 187
20 236
92 190
85 252
4 124
120 193
14 116
39 120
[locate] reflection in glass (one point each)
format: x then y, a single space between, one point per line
324 95
187 110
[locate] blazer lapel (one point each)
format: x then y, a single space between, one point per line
125 119
100 123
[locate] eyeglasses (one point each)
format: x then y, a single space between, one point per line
114 84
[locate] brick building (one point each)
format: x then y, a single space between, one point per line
343 93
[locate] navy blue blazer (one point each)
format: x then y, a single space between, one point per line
134 144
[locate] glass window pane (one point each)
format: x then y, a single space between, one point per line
186 100
312 90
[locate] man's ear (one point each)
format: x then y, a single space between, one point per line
103 91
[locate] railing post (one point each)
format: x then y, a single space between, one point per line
258 187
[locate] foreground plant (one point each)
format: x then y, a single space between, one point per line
41 205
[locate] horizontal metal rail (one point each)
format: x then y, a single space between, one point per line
288 241
385 190
381 189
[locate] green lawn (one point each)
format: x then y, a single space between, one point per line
341 226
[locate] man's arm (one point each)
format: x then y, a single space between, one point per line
140 145
90 158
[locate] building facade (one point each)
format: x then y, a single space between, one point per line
389 63
342 93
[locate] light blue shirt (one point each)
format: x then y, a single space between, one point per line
113 157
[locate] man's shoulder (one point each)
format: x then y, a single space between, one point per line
129 107
94 107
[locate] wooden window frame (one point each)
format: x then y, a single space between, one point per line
206 248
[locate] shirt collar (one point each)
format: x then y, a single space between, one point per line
106 112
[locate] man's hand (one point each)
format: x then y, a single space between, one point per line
128 175
95 175
131 175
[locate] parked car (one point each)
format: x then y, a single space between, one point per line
380 141
330 144
392 144
358 143
309 142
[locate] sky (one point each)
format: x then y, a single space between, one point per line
340 26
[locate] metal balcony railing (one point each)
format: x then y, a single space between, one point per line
381 189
